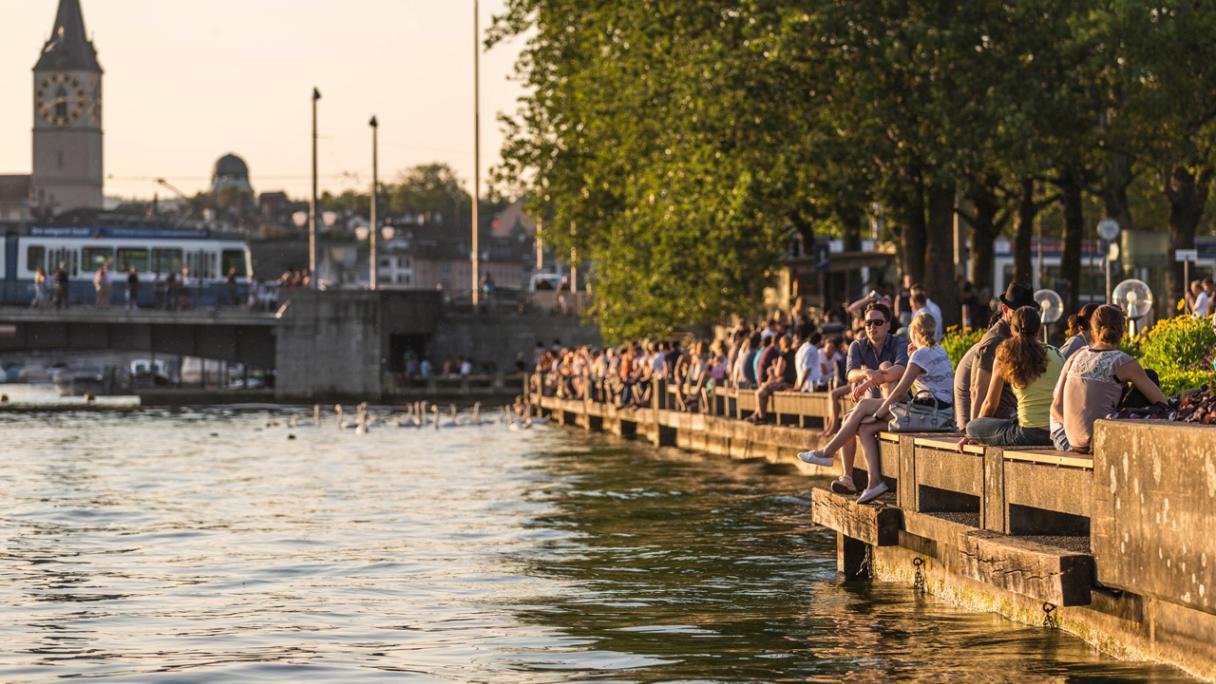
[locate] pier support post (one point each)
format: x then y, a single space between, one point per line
992 509
851 557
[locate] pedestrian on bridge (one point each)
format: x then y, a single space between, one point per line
132 289
101 283
61 286
39 289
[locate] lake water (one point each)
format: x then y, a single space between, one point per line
207 545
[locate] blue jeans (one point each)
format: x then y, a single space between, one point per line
1006 433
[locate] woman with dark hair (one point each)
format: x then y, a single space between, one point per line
1031 368
1079 334
1092 380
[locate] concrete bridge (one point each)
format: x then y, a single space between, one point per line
233 335
322 345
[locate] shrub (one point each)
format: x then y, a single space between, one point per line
1178 344
1180 381
957 341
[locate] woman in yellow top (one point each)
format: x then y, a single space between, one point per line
1031 368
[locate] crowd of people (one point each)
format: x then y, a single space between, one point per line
1010 389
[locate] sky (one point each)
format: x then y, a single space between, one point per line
187 81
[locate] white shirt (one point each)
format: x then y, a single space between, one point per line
1203 304
935 311
807 359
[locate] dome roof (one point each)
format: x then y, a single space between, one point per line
230 166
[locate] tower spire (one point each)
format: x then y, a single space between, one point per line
68 47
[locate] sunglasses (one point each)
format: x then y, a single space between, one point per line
875 322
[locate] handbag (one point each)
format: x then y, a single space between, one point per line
913 417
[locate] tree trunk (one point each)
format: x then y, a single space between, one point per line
984 231
938 271
1117 177
1074 229
1187 195
912 237
1023 233
852 222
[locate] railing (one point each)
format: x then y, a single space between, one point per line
398 384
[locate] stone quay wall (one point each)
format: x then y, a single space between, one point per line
1117 548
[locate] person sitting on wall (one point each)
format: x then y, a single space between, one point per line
875 363
1031 368
781 376
927 371
1092 381
1078 331
1015 297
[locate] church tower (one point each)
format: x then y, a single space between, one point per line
67 117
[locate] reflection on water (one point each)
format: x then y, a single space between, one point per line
210 546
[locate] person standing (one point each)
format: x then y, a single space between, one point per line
39 289
101 283
61 286
1203 301
132 289
230 279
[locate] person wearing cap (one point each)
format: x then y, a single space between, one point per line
1016 296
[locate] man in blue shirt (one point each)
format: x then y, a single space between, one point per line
876 362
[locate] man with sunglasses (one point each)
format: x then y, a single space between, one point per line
876 362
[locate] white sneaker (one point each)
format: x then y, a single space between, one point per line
872 493
815 458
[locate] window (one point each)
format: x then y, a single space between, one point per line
132 256
233 258
93 257
166 260
35 256
201 264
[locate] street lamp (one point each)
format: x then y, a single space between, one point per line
371 249
312 206
476 145
1108 230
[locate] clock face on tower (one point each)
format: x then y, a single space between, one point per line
61 99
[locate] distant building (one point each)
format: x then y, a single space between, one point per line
16 194
230 172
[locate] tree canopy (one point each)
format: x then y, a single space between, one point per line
680 147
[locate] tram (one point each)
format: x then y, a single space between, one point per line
153 252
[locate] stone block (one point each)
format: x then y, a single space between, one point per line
1154 510
875 524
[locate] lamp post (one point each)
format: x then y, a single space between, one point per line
371 250
312 205
1108 230
476 146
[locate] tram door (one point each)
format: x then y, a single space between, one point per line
202 265
68 255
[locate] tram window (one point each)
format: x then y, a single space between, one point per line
35 256
94 257
230 259
133 256
166 260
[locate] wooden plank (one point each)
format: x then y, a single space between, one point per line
1058 458
876 524
948 441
